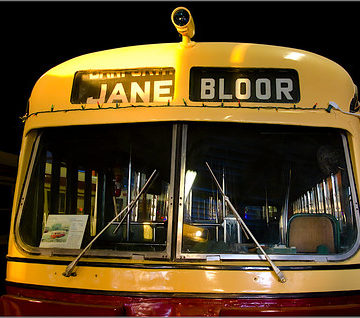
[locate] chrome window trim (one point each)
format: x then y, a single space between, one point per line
96 252
181 193
356 245
25 247
276 257
172 189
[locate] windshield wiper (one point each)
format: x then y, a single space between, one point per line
277 271
69 271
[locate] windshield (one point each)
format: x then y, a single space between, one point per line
289 184
83 176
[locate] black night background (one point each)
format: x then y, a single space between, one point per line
36 36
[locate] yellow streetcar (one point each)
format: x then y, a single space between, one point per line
201 179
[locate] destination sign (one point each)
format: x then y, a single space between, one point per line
145 85
265 85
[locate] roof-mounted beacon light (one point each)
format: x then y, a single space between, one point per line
184 24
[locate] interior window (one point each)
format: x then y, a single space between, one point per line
290 185
84 176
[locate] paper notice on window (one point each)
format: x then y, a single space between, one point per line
64 231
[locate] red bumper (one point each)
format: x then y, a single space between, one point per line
34 302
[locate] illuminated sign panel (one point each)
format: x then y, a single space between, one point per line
123 86
264 85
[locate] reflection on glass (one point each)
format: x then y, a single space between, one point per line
270 174
97 171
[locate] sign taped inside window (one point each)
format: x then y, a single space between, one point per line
64 231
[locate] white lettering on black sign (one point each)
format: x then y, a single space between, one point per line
267 85
123 86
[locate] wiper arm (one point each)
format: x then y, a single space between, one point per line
277 271
69 271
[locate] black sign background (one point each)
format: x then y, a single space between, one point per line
230 75
86 85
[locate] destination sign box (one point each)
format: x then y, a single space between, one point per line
265 85
145 85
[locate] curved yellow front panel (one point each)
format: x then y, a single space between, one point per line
319 77
184 280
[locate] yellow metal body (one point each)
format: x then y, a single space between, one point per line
321 81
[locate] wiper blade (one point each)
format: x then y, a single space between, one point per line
69 271
277 271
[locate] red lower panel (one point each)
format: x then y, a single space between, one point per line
20 306
33 302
